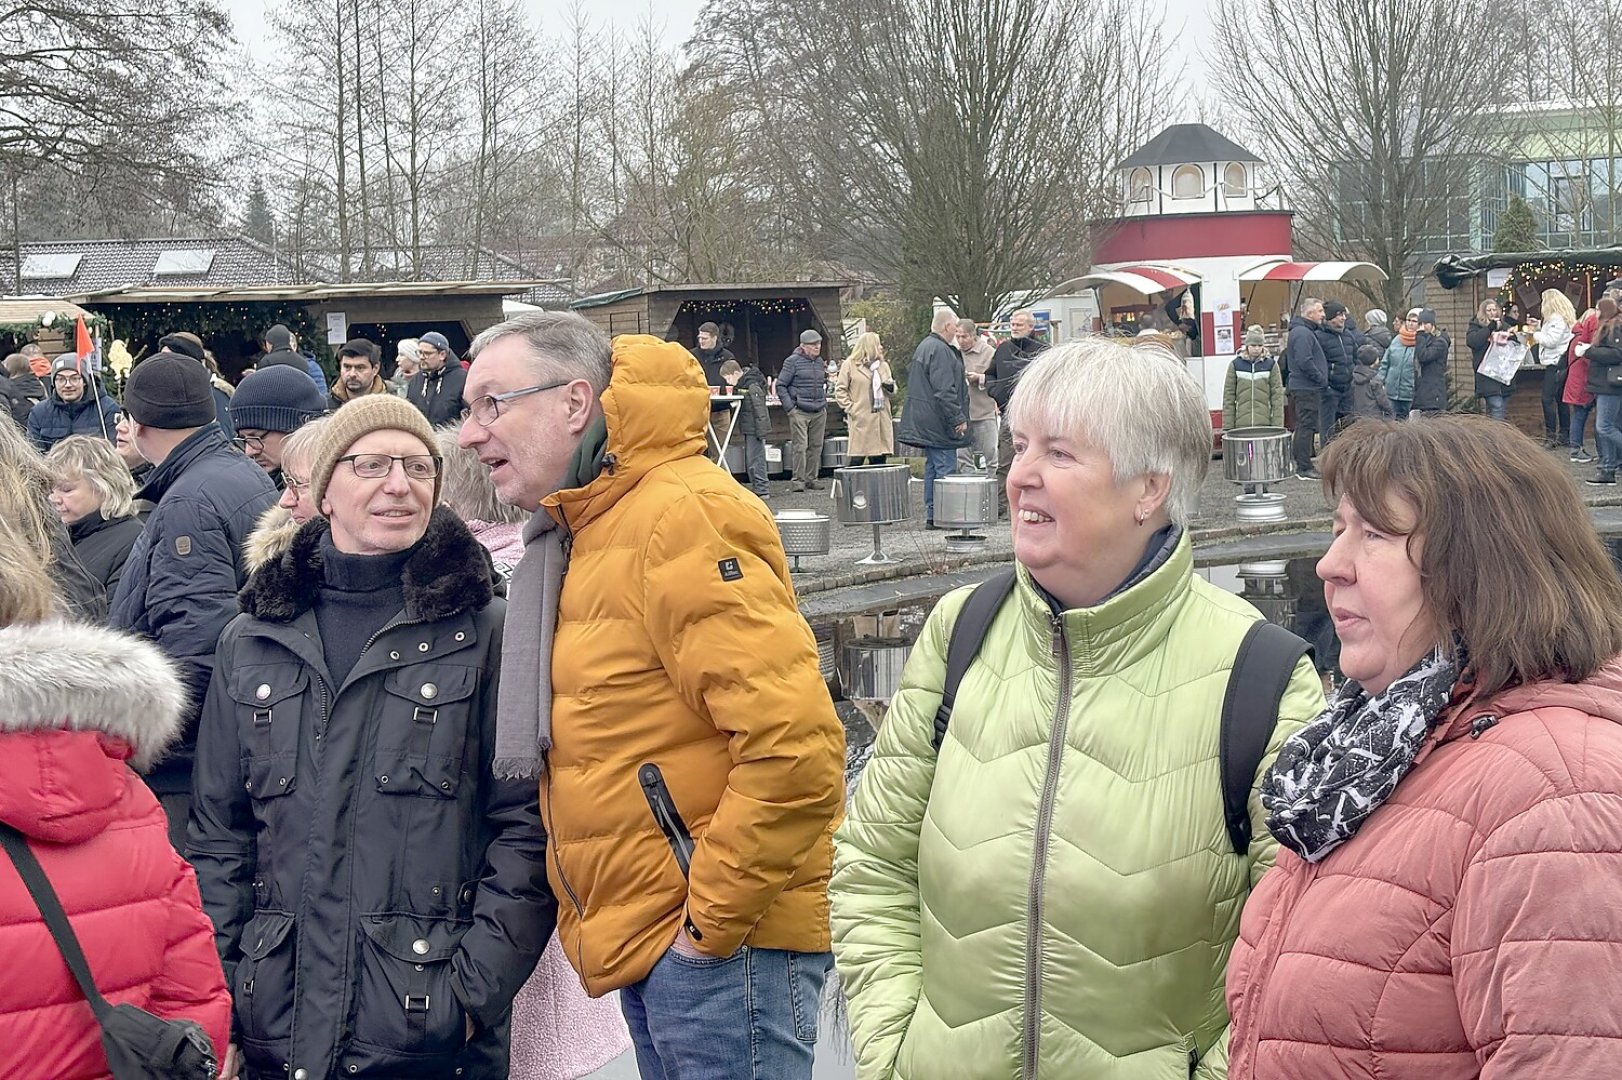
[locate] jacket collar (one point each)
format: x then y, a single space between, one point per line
204 440
448 574
62 676
341 392
1126 625
655 407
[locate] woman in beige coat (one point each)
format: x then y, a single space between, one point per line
863 388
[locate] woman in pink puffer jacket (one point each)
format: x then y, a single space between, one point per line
1445 902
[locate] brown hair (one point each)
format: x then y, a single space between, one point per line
1508 561
27 593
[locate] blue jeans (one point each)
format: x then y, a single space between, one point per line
1606 434
938 461
1497 405
1579 423
751 1016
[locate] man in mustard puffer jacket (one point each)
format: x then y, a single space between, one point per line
691 766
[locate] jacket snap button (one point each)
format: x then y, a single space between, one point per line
429 691
446 784
420 967
460 636
420 946
282 781
300 1074
263 692
354 1068
382 779
249 785
422 647
394 656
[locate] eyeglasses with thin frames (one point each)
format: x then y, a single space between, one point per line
486 410
377 466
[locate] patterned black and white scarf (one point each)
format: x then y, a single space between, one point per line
1333 773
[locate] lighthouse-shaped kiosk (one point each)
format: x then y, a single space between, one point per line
1194 221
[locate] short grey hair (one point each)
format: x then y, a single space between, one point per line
1137 403
944 318
560 344
95 460
1307 304
466 487
969 326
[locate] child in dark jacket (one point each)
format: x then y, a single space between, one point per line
754 419
1366 396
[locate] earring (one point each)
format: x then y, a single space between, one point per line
1140 517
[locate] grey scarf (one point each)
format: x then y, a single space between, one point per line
524 704
1339 769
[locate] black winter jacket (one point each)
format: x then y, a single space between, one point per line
103 546
1007 363
802 384
1306 367
52 420
1478 336
1605 356
181 580
1340 353
1430 359
937 397
754 415
370 882
439 393
19 395
711 363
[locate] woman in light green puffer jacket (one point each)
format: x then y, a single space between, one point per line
1053 894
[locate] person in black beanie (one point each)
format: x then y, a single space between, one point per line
188 344
269 406
181 580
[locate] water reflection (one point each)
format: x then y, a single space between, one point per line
1287 592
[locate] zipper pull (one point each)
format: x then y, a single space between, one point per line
1479 726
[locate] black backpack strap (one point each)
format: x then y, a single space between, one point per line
56 920
1261 672
973 620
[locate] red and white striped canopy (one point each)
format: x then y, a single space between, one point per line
1144 278
1285 270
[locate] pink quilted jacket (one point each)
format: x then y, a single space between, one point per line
1471 928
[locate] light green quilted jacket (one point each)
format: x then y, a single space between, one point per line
1054 896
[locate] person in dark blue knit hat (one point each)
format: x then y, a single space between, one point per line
269 405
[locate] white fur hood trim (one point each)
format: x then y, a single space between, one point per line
57 676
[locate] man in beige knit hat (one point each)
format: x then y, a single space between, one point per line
365 871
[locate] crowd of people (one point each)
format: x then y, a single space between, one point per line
1334 372
432 734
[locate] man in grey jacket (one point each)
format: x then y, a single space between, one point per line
935 416
802 387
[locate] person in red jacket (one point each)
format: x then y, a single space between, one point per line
79 706
1444 901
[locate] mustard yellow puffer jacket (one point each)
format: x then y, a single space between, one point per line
679 645
1054 895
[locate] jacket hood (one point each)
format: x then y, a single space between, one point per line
272 535
98 698
656 406
449 573
1599 695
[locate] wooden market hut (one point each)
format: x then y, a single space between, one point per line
1468 280
759 321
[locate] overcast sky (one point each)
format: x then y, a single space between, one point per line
1191 17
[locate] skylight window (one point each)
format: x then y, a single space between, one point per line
51 266
178 263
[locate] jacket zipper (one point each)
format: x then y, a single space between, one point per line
552 848
665 814
1039 857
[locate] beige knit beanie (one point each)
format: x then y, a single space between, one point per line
358 418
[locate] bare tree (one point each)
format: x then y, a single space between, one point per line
1383 124
960 147
1579 121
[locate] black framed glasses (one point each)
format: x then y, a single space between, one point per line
377 466
249 442
486 410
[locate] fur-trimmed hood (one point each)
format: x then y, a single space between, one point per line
449 573
272 535
61 676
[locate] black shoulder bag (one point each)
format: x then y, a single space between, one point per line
139 1046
